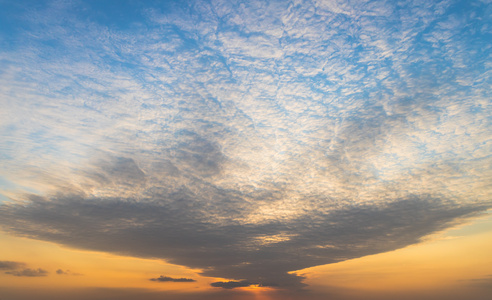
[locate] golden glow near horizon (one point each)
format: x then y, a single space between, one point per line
441 261
90 268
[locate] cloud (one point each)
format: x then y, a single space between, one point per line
18 269
29 273
242 283
11 265
231 284
262 253
247 140
170 279
67 272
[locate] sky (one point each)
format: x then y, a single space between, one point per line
318 149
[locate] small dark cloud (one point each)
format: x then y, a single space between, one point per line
170 279
10 265
243 283
29 273
66 272
232 284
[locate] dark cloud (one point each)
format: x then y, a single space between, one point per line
232 284
243 283
67 272
170 279
29 273
18 269
161 227
11 265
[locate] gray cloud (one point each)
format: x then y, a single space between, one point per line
261 253
67 272
242 283
11 265
170 279
29 273
231 284
18 269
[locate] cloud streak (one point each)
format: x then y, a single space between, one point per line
170 279
10 265
67 272
231 284
28 273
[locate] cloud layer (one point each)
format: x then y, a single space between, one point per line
262 253
245 139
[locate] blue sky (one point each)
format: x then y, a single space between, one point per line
334 129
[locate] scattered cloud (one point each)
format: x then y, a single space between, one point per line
66 272
11 265
19 269
170 279
29 273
